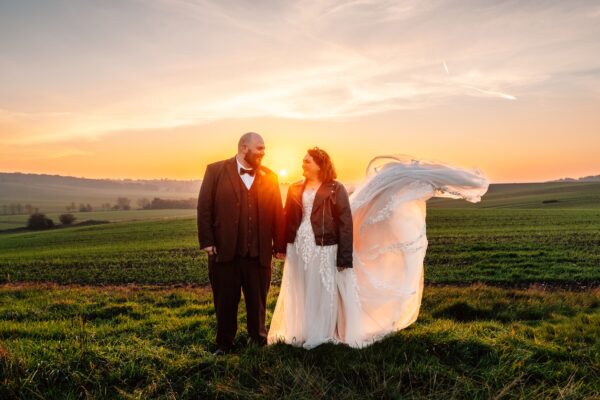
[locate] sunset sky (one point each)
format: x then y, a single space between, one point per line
160 88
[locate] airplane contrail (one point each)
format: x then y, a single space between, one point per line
492 93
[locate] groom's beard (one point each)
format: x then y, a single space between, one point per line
253 159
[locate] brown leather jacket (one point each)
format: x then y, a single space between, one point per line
331 218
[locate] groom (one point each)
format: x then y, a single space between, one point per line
240 226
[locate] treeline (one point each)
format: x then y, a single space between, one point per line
17 209
161 204
122 204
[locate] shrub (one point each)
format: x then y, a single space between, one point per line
549 201
39 221
67 219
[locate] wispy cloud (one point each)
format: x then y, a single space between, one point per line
179 62
491 93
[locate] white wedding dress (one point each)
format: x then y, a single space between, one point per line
382 293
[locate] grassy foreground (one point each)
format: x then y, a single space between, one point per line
125 334
154 342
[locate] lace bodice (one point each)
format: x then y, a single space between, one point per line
305 238
314 256
308 199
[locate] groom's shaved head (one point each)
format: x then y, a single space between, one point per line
251 148
248 138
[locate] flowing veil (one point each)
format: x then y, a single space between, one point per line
382 293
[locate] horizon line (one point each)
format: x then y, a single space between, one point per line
558 180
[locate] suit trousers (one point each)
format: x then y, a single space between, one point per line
227 280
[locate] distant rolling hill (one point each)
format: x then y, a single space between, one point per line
532 195
52 193
591 178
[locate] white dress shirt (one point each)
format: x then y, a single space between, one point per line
247 179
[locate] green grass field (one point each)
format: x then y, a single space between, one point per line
151 342
122 310
465 245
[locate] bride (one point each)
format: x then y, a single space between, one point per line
355 274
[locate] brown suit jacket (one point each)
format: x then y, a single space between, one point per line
219 211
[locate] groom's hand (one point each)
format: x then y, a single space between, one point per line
279 256
211 250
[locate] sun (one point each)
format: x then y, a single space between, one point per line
282 172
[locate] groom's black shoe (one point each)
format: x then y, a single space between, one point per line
220 352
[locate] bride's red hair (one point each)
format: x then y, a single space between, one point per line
322 159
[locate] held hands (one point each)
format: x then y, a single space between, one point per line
211 250
340 269
280 256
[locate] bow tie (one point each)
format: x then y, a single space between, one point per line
246 171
